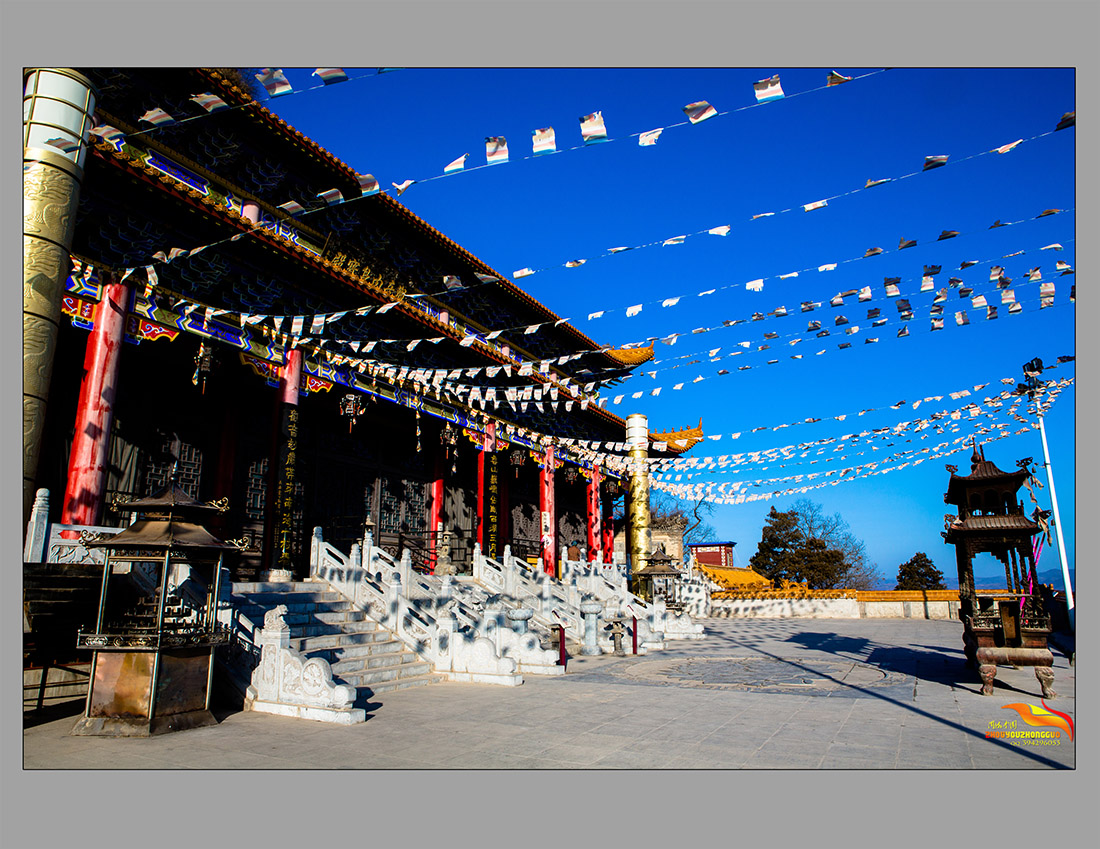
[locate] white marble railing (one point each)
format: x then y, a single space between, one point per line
288 684
52 542
614 591
453 646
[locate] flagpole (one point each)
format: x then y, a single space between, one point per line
1032 371
1057 524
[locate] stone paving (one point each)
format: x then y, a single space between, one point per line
779 694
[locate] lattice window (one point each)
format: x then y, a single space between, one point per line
255 496
402 507
184 458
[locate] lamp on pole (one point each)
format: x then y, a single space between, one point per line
1031 387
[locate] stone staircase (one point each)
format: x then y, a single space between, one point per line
58 600
323 624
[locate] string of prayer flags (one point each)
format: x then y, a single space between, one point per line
274 81
331 196
592 128
817 204
523 272
1068 120
1047 212
649 137
330 76
209 102
496 150
1006 148
768 90
458 165
872 252
699 111
542 141
675 240
720 231
947 234
872 183
931 162
157 117
906 243
401 188
836 79
575 263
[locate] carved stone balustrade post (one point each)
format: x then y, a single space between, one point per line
591 611
518 617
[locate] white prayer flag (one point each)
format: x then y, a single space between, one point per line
650 137
768 89
699 111
542 141
458 165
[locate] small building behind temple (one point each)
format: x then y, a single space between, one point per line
715 560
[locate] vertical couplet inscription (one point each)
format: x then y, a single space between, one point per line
492 504
288 456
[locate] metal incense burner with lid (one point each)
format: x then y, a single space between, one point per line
156 627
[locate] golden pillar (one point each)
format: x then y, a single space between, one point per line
637 511
57 121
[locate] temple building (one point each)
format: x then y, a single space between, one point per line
248 317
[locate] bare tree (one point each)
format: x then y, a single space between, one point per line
859 573
665 508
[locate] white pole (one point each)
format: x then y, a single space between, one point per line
1057 525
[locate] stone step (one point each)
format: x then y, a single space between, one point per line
366 691
324 624
398 656
370 677
280 588
385 643
338 639
320 617
270 599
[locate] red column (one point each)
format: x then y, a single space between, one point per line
435 509
548 515
284 456
480 537
87 477
608 530
595 538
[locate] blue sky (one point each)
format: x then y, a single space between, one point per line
542 212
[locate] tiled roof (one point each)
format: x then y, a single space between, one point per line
997 523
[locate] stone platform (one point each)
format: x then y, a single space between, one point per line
779 694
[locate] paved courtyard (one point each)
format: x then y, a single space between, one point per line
763 694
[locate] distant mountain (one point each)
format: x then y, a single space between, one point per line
992 582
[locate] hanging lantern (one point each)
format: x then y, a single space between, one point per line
204 364
449 437
517 459
352 406
418 431
570 474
